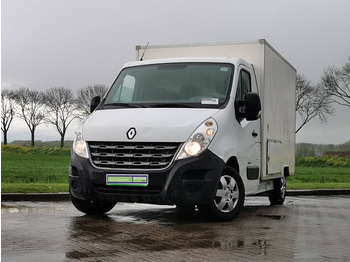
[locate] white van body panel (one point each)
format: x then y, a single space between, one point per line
155 124
276 80
230 141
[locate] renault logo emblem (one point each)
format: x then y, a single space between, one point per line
131 133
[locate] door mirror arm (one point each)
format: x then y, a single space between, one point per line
95 101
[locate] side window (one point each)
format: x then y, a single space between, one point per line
243 87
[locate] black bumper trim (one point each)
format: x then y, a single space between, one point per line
186 182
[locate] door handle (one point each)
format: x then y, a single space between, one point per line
254 134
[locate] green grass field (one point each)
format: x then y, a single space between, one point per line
25 170
319 178
34 170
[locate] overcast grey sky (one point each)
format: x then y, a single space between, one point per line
75 43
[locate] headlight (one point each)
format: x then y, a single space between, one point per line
199 140
79 145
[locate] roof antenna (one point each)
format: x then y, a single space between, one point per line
144 52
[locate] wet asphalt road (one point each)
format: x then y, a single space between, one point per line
304 229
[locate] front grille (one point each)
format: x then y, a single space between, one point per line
132 155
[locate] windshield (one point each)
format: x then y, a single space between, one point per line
172 85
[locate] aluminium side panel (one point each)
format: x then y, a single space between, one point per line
278 115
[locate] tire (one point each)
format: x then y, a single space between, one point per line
229 198
278 194
91 207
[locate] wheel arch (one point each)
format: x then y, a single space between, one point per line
233 162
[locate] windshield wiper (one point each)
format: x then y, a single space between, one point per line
177 105
127 105
166 105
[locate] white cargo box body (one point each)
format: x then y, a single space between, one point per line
276 84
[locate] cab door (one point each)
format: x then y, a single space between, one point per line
248 152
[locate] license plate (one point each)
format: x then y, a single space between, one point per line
127 180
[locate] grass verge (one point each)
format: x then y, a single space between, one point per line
34 170
314 186
34 187
34 165
319 178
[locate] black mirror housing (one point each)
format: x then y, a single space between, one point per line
95 101
252 106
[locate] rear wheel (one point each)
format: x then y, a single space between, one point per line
229 198
278 194
91 207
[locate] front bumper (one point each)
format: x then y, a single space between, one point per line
186 182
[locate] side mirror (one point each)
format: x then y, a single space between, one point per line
252 106
95 101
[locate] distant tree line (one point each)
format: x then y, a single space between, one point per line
42 144
57 106
307 149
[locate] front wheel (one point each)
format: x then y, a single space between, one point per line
278 194
91 207
229 198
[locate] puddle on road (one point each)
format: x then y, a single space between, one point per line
154 230
16 209
30 207
141 228
127 219
259 246
165 216
275 217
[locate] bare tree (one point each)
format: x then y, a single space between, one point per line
336 82
31 103
60 109
8 111
311 102
84 96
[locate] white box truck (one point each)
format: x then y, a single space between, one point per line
190 125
